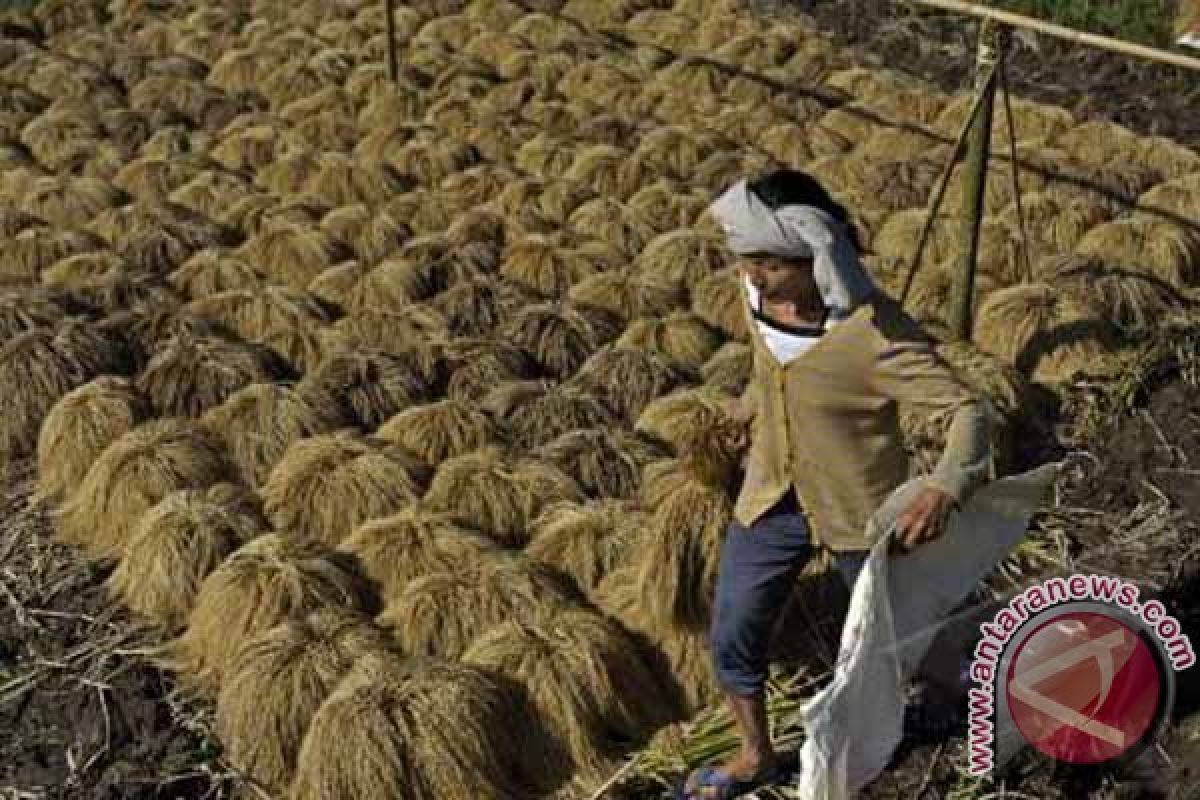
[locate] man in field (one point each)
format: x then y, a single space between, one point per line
833 357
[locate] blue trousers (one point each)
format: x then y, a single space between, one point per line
758 568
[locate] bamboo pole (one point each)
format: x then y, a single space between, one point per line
1070 34
393 67
991 44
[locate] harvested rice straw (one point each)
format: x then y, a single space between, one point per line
588 541
717 300
429 728
682 258
260 422
1044 332
497 495
1147 244
475 306
442 613
627 380
69 203
35 249
440 430
1136 302
611 221
134 473
481 364
285 320
664 206
83 270
730 368
626 294
78 428
272 578
279 681
586 680
326 485
531 413
683 338
398 549
292 254
370 386
210 271
605 461
176 544
193 372
559 336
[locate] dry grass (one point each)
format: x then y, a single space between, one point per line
423 729
189 374
78 428
262 584
174 546
133 474
588 541
279 681
327 485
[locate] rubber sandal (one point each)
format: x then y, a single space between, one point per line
728 787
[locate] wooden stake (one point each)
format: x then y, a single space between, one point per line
978 148
393 67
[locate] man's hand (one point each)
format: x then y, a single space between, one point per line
924 520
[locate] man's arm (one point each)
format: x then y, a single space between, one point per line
909 370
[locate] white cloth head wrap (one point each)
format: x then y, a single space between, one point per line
798 231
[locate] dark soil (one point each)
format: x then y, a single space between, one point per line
83 713
1147 97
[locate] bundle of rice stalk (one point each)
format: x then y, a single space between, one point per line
610 171
1032 121
80 426
683 338
334 285
532 413
37 368
681 657
694 422
678 565
22 311
13 221
33 250
442 613
437 431
255 147
718 301
475 306
664 206
291 254
676 152
1137 303
493 15
58 141
83 270
210 272
428 728
372 236
279 680
1046 333
149 178
265 582
682 258
479 365
1058 221
289 174
1145 243
134 473
590 540
627 379
610 221
1098 142
176 544
899 235
1116 185
626 294
546 264
1180 196
285 320
211 192
326 485
998 191
559 336
605 462
333 98
545 156
730 368
394 331
933 289
429 162
496 494
395 550
400 281
587 681
191 373
1166 157
341 180
69 203
261 421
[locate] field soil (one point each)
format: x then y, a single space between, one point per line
1150 98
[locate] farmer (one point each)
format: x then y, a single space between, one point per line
832 358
